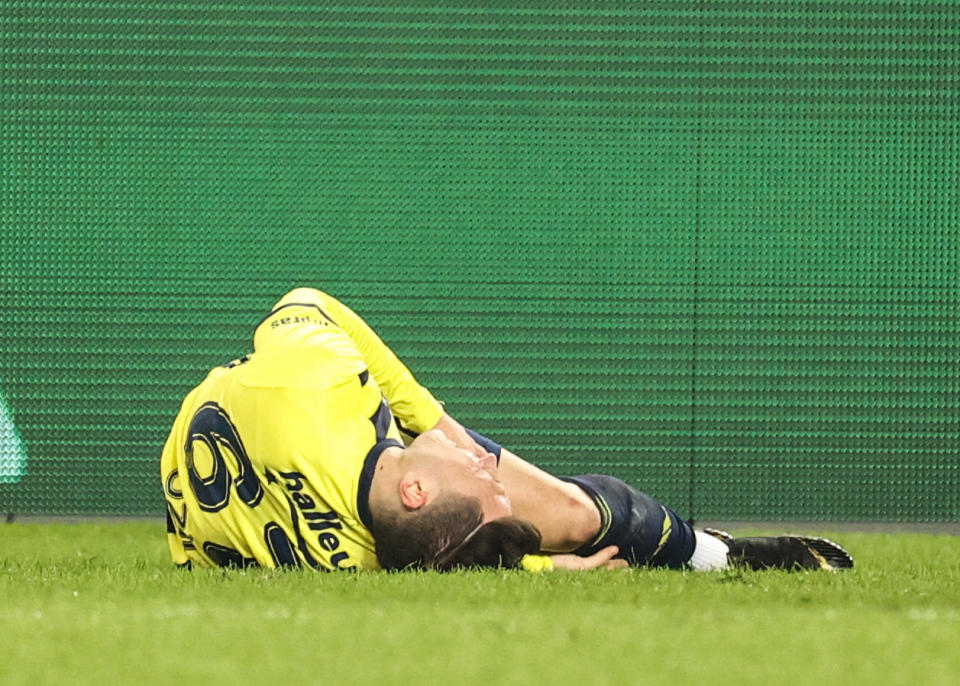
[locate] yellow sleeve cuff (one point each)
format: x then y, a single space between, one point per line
416 408
537 563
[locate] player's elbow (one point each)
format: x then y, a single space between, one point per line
304 294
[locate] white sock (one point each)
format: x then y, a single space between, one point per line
709 553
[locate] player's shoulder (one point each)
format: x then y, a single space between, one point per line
207 387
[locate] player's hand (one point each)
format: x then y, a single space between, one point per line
601 558
454 430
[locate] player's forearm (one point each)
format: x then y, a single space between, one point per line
417 409
456 432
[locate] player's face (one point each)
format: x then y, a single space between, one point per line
462 472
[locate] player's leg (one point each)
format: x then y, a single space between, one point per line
783 552
564 513
588 513
649 533
585 514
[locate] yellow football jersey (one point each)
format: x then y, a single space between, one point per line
270 458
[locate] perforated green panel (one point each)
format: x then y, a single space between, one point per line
709 247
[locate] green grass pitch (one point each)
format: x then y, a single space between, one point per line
98 602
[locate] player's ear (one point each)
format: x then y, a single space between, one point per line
413 491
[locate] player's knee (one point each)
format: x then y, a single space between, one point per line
581 518
646 531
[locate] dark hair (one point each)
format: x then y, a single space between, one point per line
413 539
447 534
498 543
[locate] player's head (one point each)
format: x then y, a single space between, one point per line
443 497
449 533
433 466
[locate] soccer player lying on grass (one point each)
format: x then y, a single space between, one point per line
293 455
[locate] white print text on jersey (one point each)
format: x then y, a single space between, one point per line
325 523
302 319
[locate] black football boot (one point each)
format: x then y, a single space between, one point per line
784 552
